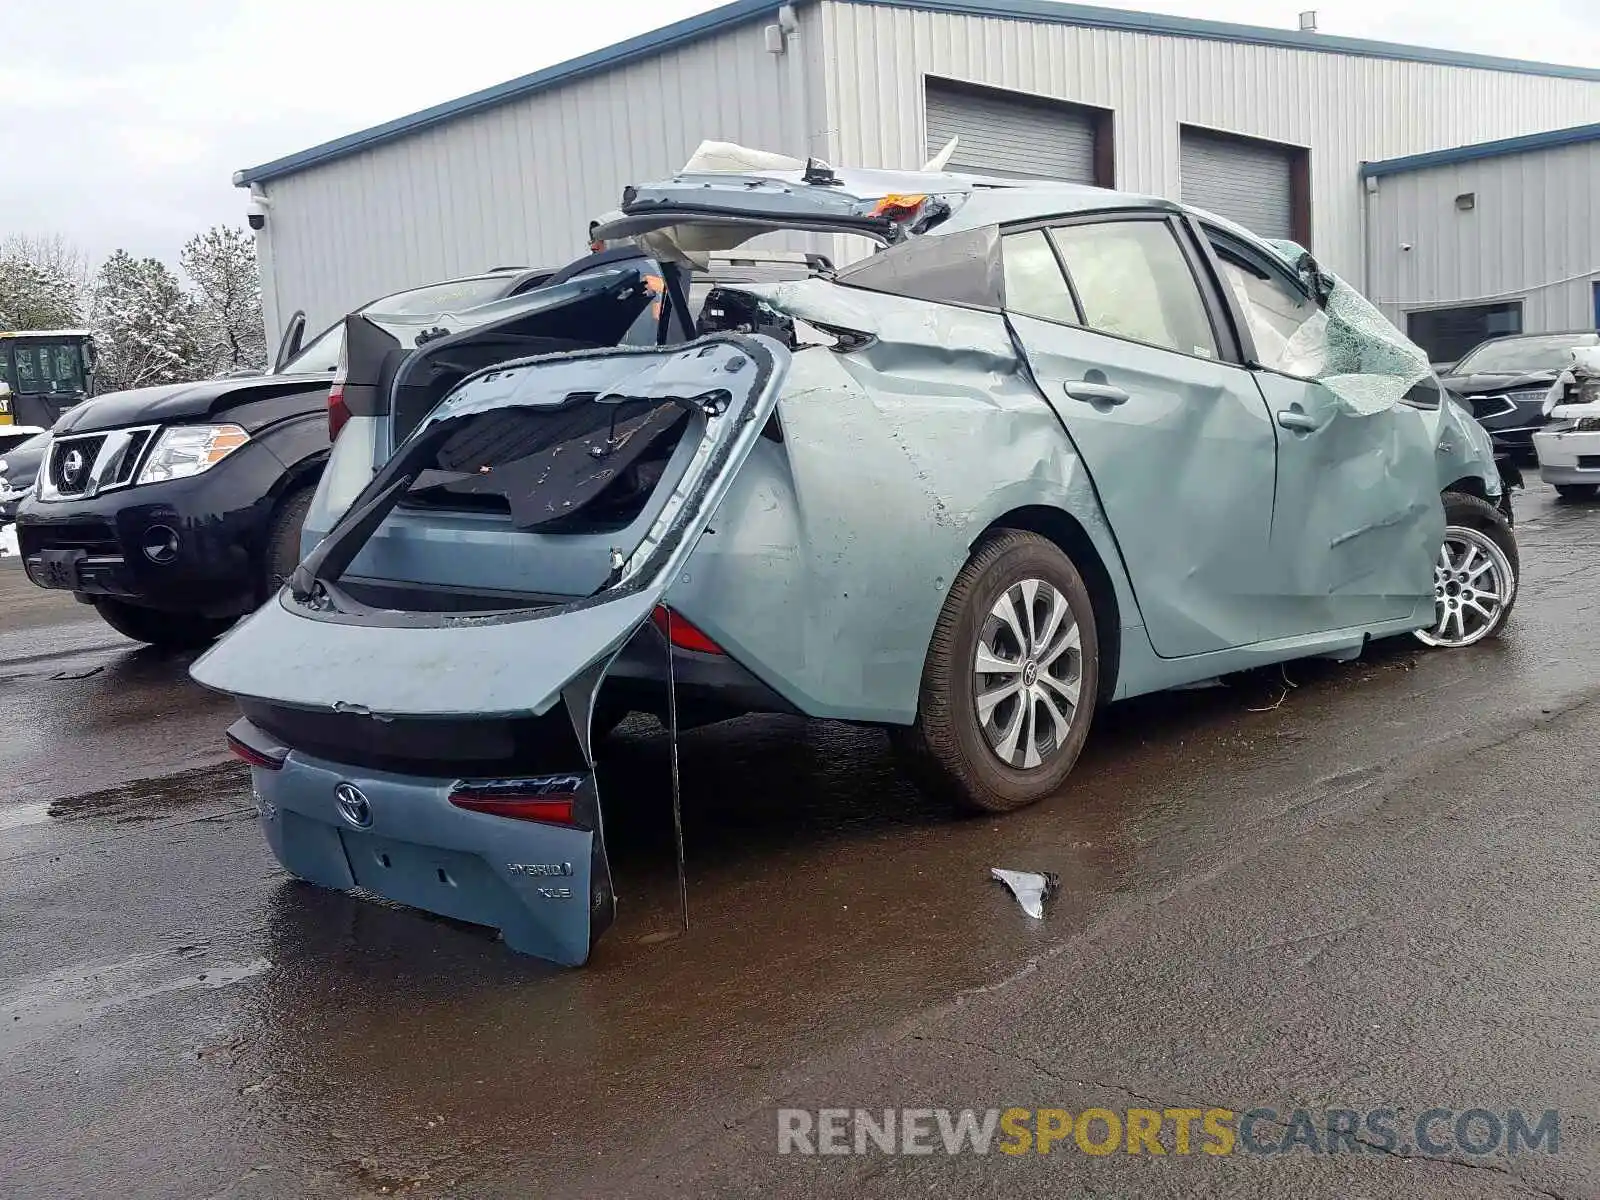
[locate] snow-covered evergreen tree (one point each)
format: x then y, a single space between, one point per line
145 325
221 263
43 283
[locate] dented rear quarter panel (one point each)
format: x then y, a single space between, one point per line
833 553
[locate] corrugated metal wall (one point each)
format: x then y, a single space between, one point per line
1346 109
1534 225
518 184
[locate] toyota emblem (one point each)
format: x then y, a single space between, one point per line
72 466
353 805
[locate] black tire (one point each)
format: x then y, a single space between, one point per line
946 752
1576 492
283 536
1469 512
168 630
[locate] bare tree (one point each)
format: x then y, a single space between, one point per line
221 263
44 283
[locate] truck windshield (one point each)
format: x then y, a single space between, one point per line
47 368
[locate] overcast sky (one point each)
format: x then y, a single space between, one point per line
124 120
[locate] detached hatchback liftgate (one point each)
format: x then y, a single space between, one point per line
357 718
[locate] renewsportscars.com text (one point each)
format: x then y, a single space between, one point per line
1433 1132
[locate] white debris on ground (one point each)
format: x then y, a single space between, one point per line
1031 888
8 542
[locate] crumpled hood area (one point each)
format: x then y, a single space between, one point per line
1576 390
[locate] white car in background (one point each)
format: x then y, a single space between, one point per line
1569 446
21 449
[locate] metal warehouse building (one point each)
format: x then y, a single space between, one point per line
1270 127
1499 237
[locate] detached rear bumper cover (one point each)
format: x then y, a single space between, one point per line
322 651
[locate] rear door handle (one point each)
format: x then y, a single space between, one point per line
1096 393
1298 420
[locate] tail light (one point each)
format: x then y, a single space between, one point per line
254 756
338 411
551 799
681 634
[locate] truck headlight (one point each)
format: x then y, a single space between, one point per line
185 450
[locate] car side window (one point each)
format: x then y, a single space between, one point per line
1134 281
1288 328
1034 284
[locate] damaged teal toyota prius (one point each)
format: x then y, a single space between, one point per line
1047 448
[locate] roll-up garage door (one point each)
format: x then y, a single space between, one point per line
1016 136
1247 182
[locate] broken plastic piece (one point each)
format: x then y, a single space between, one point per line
942 159
1031 888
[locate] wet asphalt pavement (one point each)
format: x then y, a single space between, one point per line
1340 886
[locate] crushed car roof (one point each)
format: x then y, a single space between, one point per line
727 194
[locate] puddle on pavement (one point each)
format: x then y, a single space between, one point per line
18 816
80 993
153 799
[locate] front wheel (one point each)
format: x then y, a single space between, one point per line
1475 576
283 536
1011 679
1577 491
168 630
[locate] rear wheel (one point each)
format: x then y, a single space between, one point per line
169 630
1475 576
1012 675
1577 491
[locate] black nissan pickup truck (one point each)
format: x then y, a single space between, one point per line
176 510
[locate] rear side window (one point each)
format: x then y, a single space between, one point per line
947 268
1035 286
1134 282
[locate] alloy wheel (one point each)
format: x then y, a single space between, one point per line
1027 674
1473 584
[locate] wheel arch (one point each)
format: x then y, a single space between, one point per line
1069 536
1470 485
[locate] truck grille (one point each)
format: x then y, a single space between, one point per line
72 464
91 463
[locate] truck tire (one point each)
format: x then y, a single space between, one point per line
168 630
1575 492
991 741
283 536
